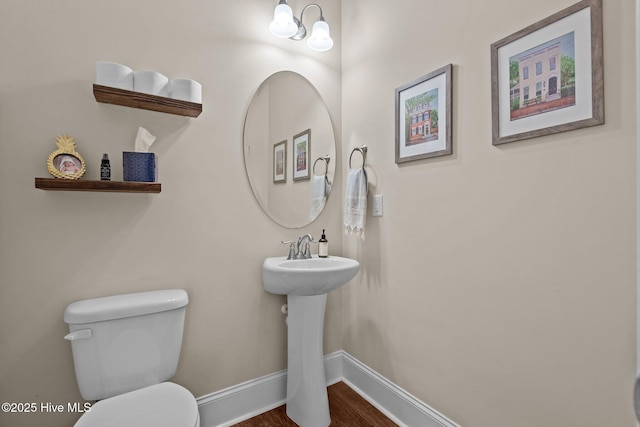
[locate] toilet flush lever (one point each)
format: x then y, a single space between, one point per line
80 334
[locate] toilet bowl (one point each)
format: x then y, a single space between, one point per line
162 405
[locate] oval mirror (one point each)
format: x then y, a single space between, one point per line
289 149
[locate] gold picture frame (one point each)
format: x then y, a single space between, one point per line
66 162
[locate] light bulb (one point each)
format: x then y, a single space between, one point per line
282 24
320 39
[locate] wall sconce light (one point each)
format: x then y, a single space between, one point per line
286 25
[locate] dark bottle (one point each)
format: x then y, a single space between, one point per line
105 168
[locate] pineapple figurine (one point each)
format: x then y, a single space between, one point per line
65 162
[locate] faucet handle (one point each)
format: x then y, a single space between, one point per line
306 251
292 248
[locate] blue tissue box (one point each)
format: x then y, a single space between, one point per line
141 167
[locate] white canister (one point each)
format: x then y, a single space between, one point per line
186 90
151 82
113 74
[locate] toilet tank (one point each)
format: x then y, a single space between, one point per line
126 342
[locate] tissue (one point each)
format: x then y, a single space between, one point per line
141 166
143 142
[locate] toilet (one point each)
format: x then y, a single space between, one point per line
125 348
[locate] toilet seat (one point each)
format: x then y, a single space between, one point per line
161 405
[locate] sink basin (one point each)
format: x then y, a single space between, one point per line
314 276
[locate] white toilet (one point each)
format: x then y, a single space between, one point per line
124 349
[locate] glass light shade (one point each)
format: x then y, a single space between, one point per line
282 24
320 39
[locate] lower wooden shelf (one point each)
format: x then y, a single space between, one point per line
61 184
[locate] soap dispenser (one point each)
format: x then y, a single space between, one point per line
323 246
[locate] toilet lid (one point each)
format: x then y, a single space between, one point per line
161 405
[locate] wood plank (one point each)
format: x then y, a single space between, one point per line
348 409
129 98
61 184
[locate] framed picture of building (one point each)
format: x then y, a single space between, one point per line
280 162
301 153
548 78
423 117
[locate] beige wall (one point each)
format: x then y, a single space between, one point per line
204 233
499 286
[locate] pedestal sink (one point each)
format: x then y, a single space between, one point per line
306 282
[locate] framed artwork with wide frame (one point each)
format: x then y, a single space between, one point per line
280 162
301 155
423 116
548 78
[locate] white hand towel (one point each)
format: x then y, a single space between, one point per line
327 186
318 195
355 203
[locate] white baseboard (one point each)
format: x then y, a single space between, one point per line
243 401
400 406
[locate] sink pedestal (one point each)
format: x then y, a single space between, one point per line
306 282
307 401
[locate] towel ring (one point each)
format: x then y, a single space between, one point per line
326 159
363 151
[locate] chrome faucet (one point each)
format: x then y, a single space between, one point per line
300 249
304 252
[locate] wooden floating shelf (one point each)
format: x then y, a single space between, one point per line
61 184
129 98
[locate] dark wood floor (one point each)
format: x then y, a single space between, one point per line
348 409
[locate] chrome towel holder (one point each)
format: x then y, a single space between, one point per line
326 159
363 151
